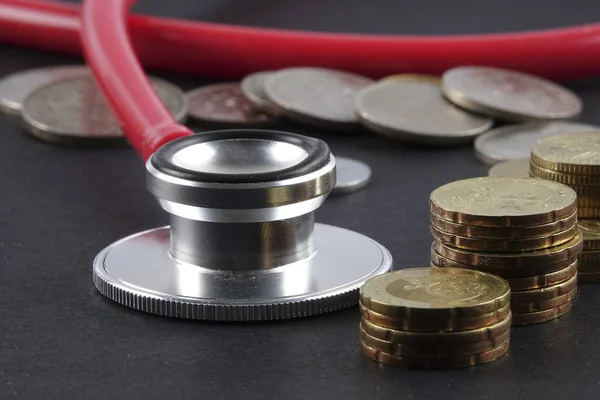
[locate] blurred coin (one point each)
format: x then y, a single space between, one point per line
73 110
590 228
437 325
508 94
504 245
589 257
433 351
497 202
541 316
412 78
575 153
253 87
430 293
351 175
435 362
511 168
588 267
588 212
436 339
224 103
539 281
515 262
516 141
545 293
517 232
16 87
541 305
416 111
316 96
592 277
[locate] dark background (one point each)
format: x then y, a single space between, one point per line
59 338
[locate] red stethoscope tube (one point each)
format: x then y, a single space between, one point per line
232 51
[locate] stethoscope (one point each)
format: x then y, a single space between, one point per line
242 242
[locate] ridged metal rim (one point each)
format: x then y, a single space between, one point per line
564 178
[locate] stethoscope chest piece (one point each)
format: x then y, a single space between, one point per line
242 244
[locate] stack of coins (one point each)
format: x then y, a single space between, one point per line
435 318
524 230
574 160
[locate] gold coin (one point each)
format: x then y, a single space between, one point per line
522 232
586 201
503 202
435 325
499 245
538 258
529 272
549 292
588 213
439 362
544 280
588 266
412 78
573 153
524 308
589 277
518 168
433 293
436 351
590 228
437 339
589 257
541 316
566 179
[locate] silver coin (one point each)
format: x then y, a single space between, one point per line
351 175
224 103
508 94
416 111
316 96
74 109
253 87
518 168
16 87
516 141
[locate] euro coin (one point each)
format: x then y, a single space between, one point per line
439 362
541 316
590 228
518 168
569 154
544 280
566 179
545 293
503 202
536 306
510 95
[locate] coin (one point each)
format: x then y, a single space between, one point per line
485 333
500 245
588 212
253 87
588 267
586 201
16 87
511 168
575 153
537 306
439 362
566 179
316 96
518 232
435 325
351 175
498 202
416 111
539 259
590 228
73 110
544 280
545 293
430 293
589 277
412 77
516 141
224 103
589 257
435 351
541 316
508 94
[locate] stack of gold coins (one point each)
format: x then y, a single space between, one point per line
521 229
574 160
435 318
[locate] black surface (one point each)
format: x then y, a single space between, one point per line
61 339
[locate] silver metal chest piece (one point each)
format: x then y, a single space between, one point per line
242 244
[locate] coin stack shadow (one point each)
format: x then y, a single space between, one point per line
572 159
537 256
435 318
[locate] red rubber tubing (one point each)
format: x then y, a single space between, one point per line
231 52
145 121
